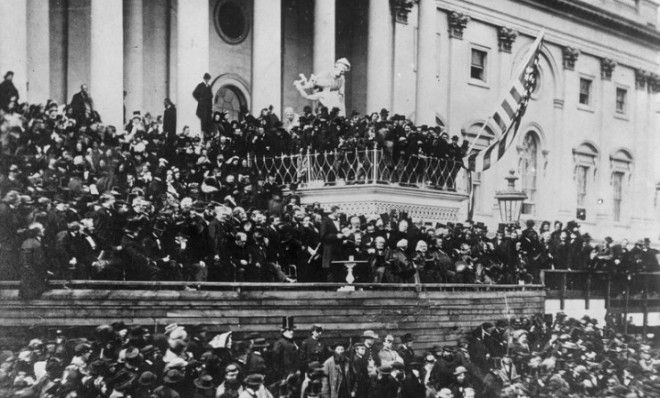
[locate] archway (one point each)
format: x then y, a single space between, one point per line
229 99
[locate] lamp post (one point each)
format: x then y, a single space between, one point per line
510 201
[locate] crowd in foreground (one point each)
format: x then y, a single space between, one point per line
527 357
81 200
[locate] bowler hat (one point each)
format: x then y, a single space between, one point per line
147 379
254 380
173 376
204 382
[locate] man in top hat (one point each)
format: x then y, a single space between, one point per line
204 97
286 354
312 349
406 351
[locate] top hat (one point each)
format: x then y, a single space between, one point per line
287 323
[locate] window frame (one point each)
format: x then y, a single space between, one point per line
585 155
589 103
621 163
486 65
531 201
625 114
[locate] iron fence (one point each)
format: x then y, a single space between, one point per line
359 167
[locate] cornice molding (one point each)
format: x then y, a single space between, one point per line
606 19
482 13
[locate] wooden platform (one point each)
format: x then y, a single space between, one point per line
434 314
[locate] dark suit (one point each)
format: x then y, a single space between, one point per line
169 122
204 97
81 107
331 244
7 91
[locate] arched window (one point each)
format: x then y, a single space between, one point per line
528 169
620 163
230 100
584 157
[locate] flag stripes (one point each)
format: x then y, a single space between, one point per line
506 117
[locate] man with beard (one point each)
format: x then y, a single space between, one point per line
378 259
338 381
231 383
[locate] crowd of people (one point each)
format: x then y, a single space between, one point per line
82 200
516 358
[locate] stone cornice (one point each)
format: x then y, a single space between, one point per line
483 13
595 15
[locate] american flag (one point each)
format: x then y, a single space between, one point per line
504 122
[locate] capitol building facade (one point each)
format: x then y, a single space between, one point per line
586 145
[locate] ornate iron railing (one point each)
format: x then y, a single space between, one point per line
371 166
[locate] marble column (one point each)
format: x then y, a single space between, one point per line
267 56
427 84
133 57
192 58
324 35
380 56
107 60
38 51
13 43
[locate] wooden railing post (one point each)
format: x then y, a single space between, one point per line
587 293
375 164
309 166
608 291
562 291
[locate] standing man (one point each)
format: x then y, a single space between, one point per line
285 351
82 106
312 348
169 119
204 98
331 237
8 91
338 381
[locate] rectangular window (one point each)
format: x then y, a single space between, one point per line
585 91
581 181
621 94
617 191
478 65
